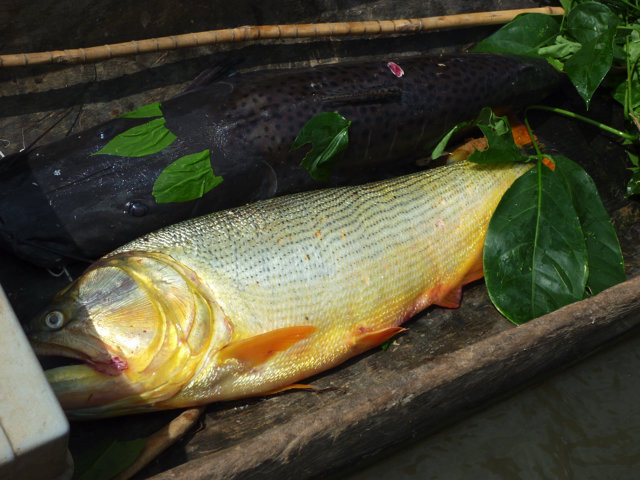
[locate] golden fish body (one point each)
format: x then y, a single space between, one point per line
250 300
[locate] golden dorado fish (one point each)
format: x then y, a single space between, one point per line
250 300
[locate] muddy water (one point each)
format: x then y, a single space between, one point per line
581 423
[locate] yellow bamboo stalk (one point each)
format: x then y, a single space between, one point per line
161 440
261 32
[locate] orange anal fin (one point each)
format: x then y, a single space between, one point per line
293 386
256 350
366 340
450 299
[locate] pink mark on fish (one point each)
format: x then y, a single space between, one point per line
395 69
115 366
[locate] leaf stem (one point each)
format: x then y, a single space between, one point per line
602 126
539 202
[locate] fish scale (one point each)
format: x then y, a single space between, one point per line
340 259
274 291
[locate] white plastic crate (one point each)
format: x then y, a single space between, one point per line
33 428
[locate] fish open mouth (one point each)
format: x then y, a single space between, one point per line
79 381
58 357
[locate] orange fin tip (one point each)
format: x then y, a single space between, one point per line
368 340
257 350
451 299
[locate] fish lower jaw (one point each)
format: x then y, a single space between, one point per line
82 386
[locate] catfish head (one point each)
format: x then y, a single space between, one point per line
139 323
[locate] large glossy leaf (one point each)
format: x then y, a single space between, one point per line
606 266
594 25
522 36
438 150
328 134
107 459
145 139
497 131
535 257
187 178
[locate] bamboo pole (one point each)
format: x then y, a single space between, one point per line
262 32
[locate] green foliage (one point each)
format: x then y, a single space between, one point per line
524 35
497 131
604 260
593 25
582 46
633 187
139 141
328 134
187 178
549 243
592 37
442 144
535 255
107 459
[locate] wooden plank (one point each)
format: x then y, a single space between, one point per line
429 376
399 404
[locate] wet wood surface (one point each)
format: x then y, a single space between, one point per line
448 363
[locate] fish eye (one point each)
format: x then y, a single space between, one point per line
54 319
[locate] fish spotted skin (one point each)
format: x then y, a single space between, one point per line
249 300
59 201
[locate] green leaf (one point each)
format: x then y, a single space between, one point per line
631 84
107 459
620 92
442 144
145 139
524 35
328 134
606 266
187 178
594 26
567 5
633 187
535 257
501 148
151 110
562 48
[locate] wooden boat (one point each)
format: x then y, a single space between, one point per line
448 364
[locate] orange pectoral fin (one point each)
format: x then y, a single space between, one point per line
256 350
368 340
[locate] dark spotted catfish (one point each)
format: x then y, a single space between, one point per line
71 200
